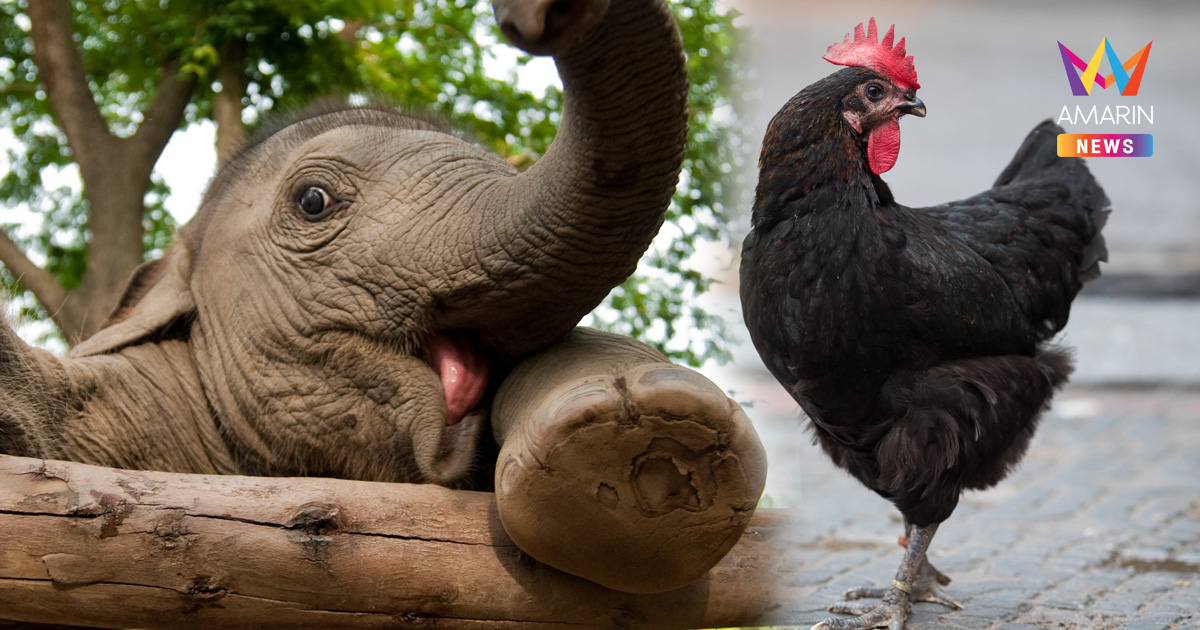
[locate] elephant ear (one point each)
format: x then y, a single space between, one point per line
157 304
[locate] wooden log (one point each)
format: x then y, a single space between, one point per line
85 545
620 467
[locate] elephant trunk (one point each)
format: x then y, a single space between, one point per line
34 397
559 236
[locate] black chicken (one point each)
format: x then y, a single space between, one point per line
915 340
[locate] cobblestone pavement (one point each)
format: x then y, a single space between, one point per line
1099 528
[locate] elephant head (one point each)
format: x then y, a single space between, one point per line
355 283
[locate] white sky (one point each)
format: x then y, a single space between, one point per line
187 165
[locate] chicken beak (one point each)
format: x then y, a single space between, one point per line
914 107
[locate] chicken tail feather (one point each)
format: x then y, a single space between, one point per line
1037 161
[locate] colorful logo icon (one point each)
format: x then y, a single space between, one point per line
1081 85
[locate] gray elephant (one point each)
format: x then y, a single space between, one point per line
361 289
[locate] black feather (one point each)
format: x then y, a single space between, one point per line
914 339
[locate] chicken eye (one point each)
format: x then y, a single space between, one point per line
874 91
314 202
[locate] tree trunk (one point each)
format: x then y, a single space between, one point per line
86 545
115 208
227 104
115 172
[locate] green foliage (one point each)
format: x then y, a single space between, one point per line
660 299
119 43
435 57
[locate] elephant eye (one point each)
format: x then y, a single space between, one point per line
315 202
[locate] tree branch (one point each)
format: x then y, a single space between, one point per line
349 32
60 67
42 283
227 104
161 118
113 548
18 88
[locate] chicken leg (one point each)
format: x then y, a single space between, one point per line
916 580
924 590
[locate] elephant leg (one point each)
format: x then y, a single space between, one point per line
620 467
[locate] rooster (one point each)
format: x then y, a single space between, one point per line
916 340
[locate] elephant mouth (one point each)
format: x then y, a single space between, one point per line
463 368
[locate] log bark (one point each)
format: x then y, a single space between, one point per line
620 467
92 546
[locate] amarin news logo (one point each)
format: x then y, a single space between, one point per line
1081 85
1106 144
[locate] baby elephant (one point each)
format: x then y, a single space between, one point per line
361 291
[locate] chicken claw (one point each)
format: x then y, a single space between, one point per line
924 589
890 613
916 580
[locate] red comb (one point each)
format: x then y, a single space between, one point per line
865 51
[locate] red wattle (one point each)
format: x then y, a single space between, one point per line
462 369
883 146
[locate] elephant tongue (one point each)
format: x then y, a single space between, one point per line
462 369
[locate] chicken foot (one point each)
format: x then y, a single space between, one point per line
925 589
914 581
